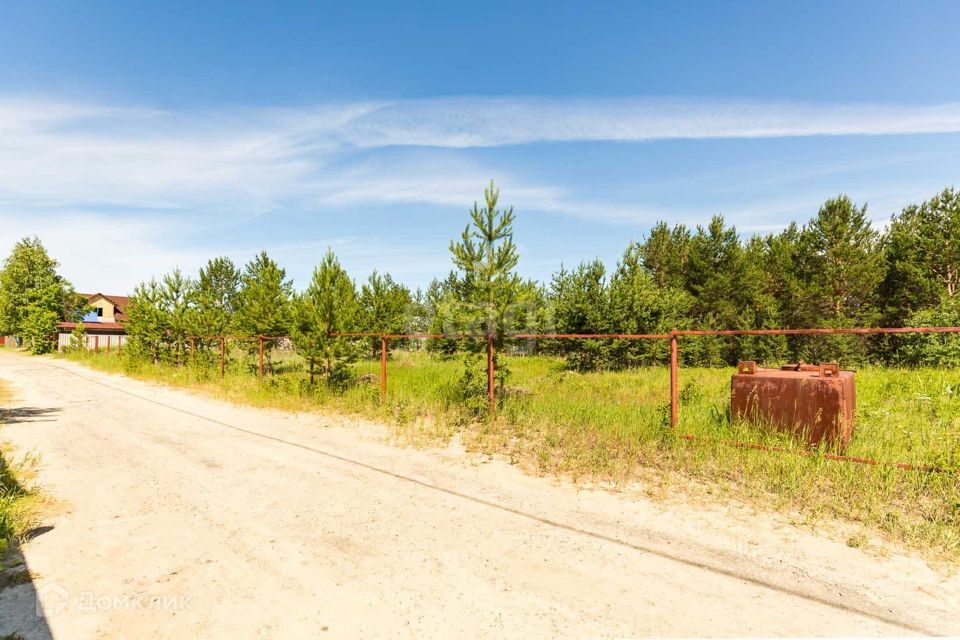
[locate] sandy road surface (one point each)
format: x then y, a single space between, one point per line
183 517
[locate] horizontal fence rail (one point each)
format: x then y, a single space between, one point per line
673 337
590 336
812 332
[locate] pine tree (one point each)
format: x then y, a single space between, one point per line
263 301
216 297
531 313
329 305
923 257
664 254
418 318
147 322
486 258
778 260
580 303
177 299
486 284
384 305
714 276
840 263
441 303
759 285
639 305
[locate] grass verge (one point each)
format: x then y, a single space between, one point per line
15 510
612 427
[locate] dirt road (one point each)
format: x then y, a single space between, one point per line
177 516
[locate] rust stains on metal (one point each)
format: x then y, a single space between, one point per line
674 393
260 356
491 374
816 404
860 331
383 369
800 366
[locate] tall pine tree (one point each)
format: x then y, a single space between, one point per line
840 266
486 285
329 305
263 301
216 297
923 257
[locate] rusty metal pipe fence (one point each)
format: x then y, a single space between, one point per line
673 337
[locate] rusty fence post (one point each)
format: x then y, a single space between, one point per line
491 374
260 363
96 344
674 394
108 344
223 355
119 344
383 368
191 350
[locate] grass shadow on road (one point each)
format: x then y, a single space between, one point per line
28 414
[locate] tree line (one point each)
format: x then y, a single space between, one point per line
836 270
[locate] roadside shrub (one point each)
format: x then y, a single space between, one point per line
935 349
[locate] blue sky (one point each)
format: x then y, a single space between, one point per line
136 137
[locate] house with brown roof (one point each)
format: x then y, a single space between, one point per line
103 322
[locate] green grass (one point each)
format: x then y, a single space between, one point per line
14 511
613 427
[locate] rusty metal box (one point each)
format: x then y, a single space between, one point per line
816 402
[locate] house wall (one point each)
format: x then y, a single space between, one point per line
108 310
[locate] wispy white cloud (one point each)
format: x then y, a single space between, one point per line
21 115
451 182
67 154
64 164
485 122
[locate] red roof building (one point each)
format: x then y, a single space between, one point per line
106 315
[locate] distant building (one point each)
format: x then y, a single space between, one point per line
103 323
